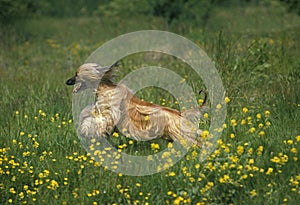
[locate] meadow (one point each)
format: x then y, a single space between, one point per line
256 160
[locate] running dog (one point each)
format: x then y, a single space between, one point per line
117 107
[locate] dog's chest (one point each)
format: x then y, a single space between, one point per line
109 100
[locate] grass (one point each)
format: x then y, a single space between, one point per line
41 158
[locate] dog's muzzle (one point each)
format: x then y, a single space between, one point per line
71 81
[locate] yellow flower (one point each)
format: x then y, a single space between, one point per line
205 115
12 190
115 134
294 150
233 122
200 101
154 146
22 133
36 144
245 176
194 154
249 119
275 159
259 151
171 174
21 195
233 159
240 149
227 99
258 116
253 192
149 157
205 133
298 138
243 122
269 171
232 136
250 150
41 175
166 154
283 158
294 182
245 110
267 113
224 179
178 200
53 185
252 129
219 106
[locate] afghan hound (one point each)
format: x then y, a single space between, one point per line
117 107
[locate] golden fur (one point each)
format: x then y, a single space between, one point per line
117 107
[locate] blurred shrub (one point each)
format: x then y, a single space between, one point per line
293 5
171 10
124 8
14 9
193 12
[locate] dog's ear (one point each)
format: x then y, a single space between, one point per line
107 68
109 72
116 64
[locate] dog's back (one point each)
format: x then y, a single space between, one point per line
117 107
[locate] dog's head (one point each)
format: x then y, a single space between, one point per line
89 75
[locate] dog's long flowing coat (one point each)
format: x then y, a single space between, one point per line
117 107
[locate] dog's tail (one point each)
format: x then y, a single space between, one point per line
195 114
205 97
183 130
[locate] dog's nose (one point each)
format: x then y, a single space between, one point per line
71 81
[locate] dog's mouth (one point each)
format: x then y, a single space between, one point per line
81 86
78 86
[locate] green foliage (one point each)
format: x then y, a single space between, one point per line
124 8
174 12
256 160
193 11
11 10
292 5
180 10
